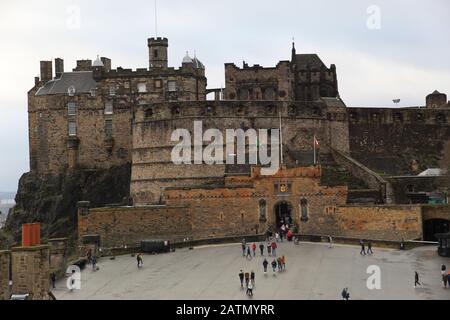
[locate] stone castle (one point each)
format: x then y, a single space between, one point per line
366 181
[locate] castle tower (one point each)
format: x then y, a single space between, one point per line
157 48
436 100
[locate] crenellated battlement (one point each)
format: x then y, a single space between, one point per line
398 116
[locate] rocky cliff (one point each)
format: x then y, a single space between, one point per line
51 199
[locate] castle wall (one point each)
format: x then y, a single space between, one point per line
256 81
388 140
30 271
371 222
5 260
153 168
49 133
129 225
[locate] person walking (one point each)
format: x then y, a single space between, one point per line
252 277
269 248
261 248
280 264
330 241
241 278
53 280
274 265
274 249
254 249
140 262
247 278
444 274
345 294
363 248
249 254
244 247
416 279
445 279
265 264
94 263
369 248
277 237
283 262
89 256
250 289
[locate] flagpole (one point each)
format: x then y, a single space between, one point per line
281 139
314 143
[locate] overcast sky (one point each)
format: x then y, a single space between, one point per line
382 49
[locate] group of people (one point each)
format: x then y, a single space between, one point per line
279 263
249 250
92 259
363 248
249 278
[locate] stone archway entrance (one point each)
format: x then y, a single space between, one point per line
433 226
284 212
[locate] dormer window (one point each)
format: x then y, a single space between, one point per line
142 87
71 91
109 107
93 93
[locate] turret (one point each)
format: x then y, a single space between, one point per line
436 100
158 52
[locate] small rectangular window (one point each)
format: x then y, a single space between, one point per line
142 88
108 128
158 84
71 109
109 107
93 93
112 90
72 128
172 86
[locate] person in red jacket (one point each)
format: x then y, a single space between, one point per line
274 249
254 249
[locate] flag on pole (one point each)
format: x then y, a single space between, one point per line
316 145
316 142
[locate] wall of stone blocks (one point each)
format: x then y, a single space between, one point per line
30 271
388 140
376 223
5 258
118 227
58 255
436 212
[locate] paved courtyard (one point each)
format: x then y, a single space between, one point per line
314 271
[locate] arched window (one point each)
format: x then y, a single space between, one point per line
262 210
148 113
304 210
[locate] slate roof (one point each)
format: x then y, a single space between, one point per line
82 81
311 60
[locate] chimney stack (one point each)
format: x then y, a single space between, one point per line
31 234
59 67
46 71
106 63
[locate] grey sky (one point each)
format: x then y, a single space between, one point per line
407 58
